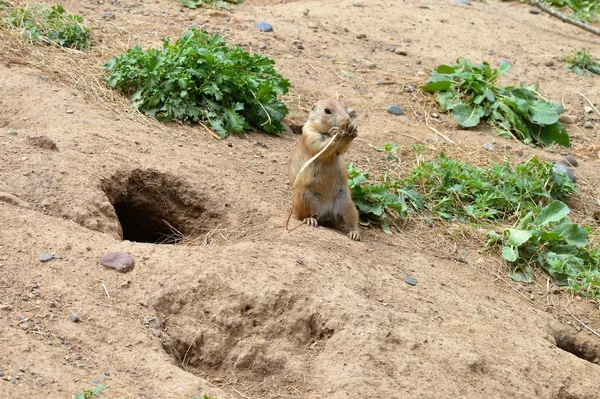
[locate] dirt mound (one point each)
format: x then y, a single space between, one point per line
237 307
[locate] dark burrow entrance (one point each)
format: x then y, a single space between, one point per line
582 346
156 207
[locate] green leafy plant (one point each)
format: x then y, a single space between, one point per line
583 10
224 4
91 393
202 78
469 92
546 238
41 24
581 62
392 150
456 191
377 203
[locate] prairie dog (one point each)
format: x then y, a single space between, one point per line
322 195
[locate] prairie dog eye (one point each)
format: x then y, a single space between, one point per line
327 111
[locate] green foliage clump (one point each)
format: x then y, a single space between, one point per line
40 24
581 62
470 93
547 239
376 202
456 191
583 10
202 78
91 393
223 4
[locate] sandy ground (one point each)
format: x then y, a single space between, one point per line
257 312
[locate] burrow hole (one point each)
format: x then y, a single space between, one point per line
579 345
158 208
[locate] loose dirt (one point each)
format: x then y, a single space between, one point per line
230 304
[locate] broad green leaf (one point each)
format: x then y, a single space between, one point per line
510 253
445 69
436 86
544 112
521 276
572 233
518 237
553 212
467 116
555 133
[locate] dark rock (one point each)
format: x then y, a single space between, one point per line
361 36
558 168
42 142
534 11
264 26
410 281
549 63
569 160
401 52
108 16
394 110
119 260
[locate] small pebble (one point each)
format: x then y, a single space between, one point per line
262 46
12 132
488 146
264 26
299 261
549 63
534 11
569 160
558 168
69 111
44 257
588 125
361 36
74 318
586 108
108 15
568 119
394 110
410 281
157 333
389 47
401 52
118 260
358 5
467 2
435 115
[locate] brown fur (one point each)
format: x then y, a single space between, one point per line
322 195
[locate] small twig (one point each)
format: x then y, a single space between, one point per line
584 325
210 131
564 18
440 134
106 290
591 104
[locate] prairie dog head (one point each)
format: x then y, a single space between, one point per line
329 113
